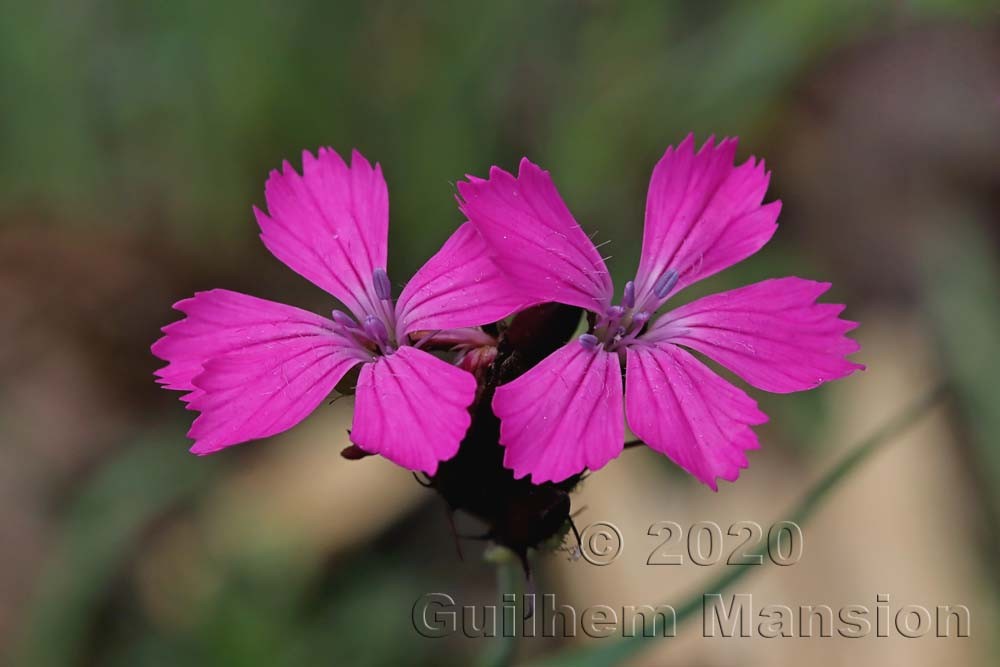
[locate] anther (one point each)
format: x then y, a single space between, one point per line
589 341
628 299
344 320
615 313
640 319
665 283
376 330
383 288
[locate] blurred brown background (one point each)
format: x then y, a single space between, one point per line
134 138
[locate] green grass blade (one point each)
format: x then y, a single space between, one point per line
614 653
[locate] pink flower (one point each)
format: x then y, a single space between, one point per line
702 216
254 368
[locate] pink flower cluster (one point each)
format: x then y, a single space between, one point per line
252 368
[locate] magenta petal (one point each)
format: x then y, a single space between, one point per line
772 334
458 287
562 416
273 374
412 408
534 239
680 408
329 225
702 216
219 322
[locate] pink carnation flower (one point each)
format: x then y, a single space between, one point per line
254 368
702 216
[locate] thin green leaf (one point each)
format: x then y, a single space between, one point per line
614 653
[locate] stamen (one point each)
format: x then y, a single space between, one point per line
344 320
383 288
665 283
376 330
628 300
615 313
589 341
640 319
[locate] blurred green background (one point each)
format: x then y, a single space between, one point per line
136 136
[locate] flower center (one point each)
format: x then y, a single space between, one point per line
620 324
377 332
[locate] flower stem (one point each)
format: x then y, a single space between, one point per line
510 579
